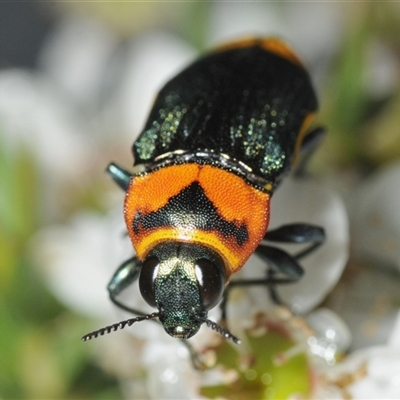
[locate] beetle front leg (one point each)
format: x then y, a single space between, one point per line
120 176
125 275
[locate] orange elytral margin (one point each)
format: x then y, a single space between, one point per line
302 133
273 45
235 200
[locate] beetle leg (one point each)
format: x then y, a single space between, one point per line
308 147
297 233
280 261
121 177
272 287
270 281
125 275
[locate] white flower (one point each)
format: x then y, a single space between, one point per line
36 118
376 219
371 372
382 379
77 57
146 65
313 29
35 115
77 260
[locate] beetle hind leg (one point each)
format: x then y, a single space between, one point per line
280 261
297 233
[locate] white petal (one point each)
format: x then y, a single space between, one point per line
76 56
34 114
171 375
331 334
148 64
376 218
394 338
233 20
78 260
312 29
383 373
307 201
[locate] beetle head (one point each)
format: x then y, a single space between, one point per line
184 281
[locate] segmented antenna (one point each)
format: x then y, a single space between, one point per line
121 325
118 325
222 331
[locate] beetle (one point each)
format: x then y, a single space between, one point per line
219 139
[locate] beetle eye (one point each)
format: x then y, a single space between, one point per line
147 279
211 280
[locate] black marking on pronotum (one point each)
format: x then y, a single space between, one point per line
191 208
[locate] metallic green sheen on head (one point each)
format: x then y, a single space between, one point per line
184 281
178 299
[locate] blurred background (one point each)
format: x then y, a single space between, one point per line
76 83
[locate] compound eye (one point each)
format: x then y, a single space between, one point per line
147 279
211 280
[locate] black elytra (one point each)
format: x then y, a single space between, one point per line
246 102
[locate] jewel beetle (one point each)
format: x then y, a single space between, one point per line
219 139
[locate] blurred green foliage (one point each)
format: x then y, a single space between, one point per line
364 130
41 355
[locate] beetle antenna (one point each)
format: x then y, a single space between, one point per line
118 325
222 331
